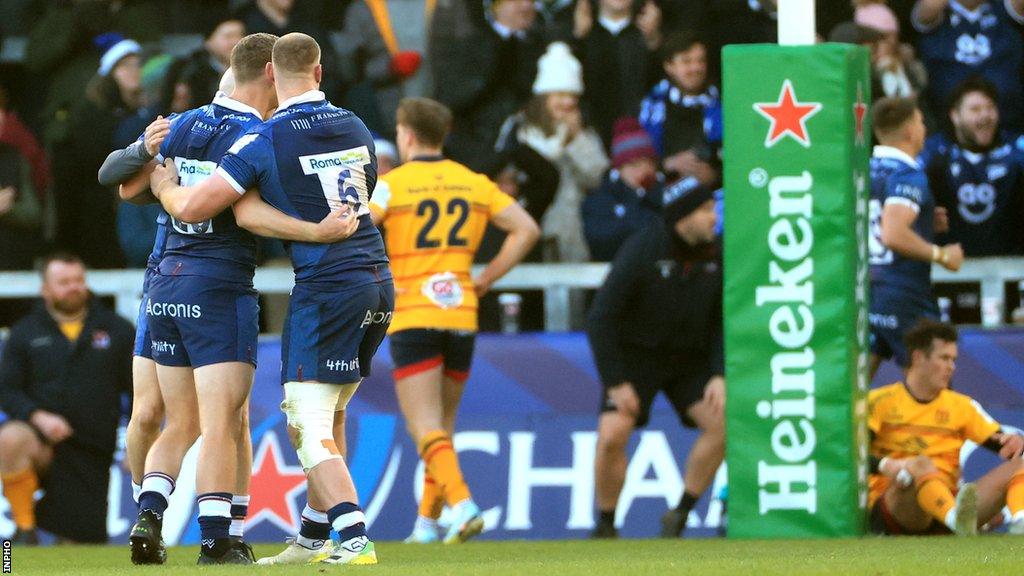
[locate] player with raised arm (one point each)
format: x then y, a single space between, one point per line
902 226
432 232
308 159
918 428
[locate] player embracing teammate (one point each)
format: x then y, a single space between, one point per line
309 159
201 312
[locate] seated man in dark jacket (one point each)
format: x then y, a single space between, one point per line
656 326
62 375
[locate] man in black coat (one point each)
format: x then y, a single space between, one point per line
63 373
656 326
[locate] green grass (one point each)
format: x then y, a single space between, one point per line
988 556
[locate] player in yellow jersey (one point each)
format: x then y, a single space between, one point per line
917 430
434 212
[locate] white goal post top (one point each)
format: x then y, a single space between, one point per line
796 23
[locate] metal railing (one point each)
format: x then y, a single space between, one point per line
555 280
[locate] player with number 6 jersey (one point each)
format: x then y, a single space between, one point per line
434 212
310 160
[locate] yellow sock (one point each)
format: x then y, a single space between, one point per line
934 496
433 500
19 490
1015 493
443 466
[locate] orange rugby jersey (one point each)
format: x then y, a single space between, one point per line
904 427
435 212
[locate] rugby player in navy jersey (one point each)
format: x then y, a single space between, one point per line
902 223
311 157
207 267
977 173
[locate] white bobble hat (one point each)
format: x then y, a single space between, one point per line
558 71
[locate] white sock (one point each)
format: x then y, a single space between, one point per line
425 524
136 491
313 516
459 507
158 482
950 520
237 528
1018 517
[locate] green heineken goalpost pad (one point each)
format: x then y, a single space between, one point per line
796 330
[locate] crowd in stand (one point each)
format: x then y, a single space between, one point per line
583 109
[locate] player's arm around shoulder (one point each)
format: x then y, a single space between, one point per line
523 233
192 203
255 215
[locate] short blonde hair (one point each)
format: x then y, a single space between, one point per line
296 53
250 56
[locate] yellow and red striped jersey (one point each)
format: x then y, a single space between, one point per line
435 212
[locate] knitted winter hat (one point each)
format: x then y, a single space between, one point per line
558 71
682 197
114 48
630 142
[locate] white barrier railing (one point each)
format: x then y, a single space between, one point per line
555 280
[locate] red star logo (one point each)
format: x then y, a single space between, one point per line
859 111
788 117
274 487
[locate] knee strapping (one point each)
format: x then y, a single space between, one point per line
310 408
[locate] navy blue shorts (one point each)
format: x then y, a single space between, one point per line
197 321
330 336
143 342
893 311
420 349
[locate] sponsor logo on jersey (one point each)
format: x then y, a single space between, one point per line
443 290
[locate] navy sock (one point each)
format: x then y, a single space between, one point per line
347 518
214 522
153 501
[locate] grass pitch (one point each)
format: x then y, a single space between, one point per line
987 556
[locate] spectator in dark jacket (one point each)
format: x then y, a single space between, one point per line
683 113
656 326
279 17
629 198
484 74
618 53
193 81
63 373
108 117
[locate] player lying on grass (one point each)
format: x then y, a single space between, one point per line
918 428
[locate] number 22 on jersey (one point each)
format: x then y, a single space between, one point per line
456 209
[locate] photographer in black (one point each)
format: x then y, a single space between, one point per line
656 325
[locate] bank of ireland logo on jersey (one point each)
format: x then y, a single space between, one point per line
443 290
342 176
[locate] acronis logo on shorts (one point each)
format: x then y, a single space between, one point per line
173 310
